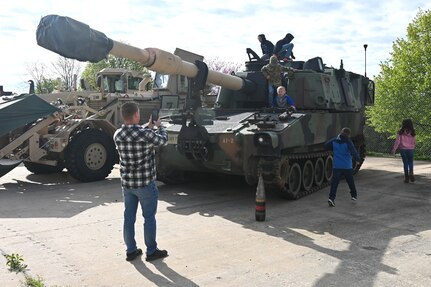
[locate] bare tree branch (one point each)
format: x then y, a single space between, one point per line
39 73
67 69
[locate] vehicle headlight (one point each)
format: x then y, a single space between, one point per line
266 139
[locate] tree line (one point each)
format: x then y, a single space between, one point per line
67 71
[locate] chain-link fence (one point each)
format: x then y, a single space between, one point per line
382 143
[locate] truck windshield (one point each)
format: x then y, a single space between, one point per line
113 84
161 81
133 83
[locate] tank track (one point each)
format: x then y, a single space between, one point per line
271 171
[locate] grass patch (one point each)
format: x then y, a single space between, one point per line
15 262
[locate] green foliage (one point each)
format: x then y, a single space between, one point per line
92 69
34 282
403 87
423 151
15 262
380 144
117 62
45 86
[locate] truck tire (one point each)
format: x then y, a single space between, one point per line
38 168
90 155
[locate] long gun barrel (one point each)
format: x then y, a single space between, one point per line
76 40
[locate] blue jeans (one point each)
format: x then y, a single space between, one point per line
147 196
336 175
407 156
271 91
286 51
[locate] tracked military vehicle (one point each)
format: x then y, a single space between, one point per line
241 135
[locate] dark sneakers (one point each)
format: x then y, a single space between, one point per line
354 198
157 255
133 255
331 203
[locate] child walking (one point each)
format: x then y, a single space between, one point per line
343 150
406 142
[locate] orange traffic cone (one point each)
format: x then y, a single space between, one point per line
260 200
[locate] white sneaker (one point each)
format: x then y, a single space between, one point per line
331 203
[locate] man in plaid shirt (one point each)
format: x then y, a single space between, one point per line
136 147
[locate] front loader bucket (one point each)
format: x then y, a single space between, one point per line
19 113
7 165
22 110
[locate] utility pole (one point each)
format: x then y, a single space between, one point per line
365 49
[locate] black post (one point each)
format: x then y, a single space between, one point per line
365 48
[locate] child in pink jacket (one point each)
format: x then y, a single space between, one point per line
406 142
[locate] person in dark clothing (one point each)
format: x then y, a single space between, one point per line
343 150
283 48
266 45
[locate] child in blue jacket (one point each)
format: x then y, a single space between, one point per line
343 150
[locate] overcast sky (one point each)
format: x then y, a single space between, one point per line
333 30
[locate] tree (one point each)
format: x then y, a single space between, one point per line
40 76
403 87
46 86
225 67
67 70
90 71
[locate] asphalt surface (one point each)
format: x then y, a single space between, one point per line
70 233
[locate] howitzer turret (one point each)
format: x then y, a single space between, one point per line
241 135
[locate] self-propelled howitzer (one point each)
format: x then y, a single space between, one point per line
241 135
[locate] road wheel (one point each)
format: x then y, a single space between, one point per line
328 168
294 181
307 175
282 180
38 168
284 168
90 155
319 171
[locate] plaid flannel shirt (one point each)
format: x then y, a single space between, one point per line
136 148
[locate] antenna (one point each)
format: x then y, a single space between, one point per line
365 49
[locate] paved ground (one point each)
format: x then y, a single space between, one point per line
70 233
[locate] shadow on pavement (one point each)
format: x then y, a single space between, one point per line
387 208
172 278
66 196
